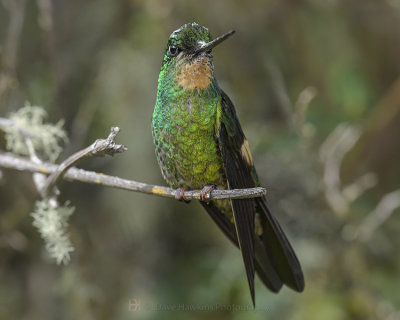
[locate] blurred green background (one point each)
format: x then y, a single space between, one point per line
316 85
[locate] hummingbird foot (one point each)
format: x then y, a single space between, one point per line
180 195
206 191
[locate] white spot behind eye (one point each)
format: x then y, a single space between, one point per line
175 33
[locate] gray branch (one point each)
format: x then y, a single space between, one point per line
98 148
11 161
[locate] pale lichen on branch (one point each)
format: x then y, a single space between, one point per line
51 220
26 133
29 122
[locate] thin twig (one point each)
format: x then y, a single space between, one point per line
332 152
389 203
301 105
98 148
11 161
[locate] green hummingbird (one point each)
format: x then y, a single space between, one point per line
200 144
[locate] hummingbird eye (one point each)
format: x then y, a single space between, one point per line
173 50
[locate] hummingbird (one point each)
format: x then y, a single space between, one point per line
199 144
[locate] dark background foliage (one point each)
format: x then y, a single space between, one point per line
300 73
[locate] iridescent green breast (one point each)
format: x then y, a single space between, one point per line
184 126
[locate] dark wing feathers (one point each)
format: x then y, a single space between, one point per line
230 140
270 254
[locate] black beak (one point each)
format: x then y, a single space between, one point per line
207 46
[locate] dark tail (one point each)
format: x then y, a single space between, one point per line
275 261
278 251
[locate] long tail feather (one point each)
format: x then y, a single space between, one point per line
280 251
243 213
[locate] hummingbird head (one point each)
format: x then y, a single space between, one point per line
188 56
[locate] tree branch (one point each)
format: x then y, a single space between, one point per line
98 148
11 161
